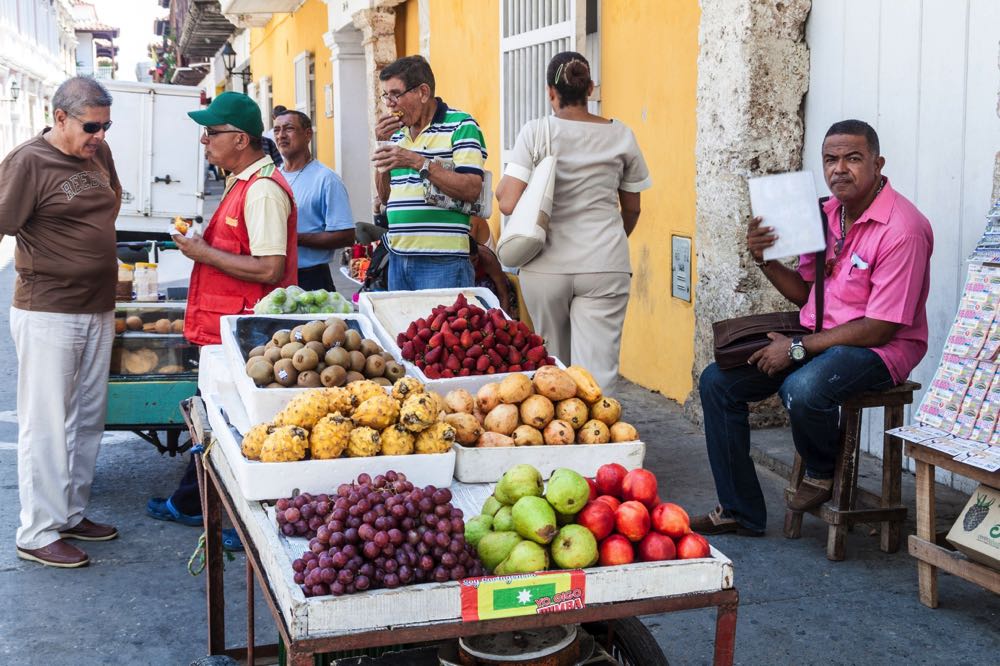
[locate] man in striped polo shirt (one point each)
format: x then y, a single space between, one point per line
431 144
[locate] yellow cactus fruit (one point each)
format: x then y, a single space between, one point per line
378 412
329 436
285 443
418 412
438 438
253 440
304 410
397 441
364 389
587 389
439 404
363 442
339 400
404 386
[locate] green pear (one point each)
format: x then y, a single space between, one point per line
491 506
517 482
494 547
567 491
534 519
526 557
574 548
476 528
503 521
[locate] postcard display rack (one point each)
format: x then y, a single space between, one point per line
958 415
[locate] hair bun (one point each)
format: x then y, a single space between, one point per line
577 74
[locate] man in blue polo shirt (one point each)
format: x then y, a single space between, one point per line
324 223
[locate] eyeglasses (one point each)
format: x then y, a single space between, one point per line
92 127
394 97
212 132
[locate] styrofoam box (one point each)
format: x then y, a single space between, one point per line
407 306
262 404
487 465
434 603
264 481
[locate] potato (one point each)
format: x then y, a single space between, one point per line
488 397
606 410
494 439
594 432
467 427
537 411
624 432
502 419
554 383
525 435
558 432
515 388
459 400
574 411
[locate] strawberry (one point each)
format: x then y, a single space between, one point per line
438 322
466 339
535 354
464 372
432 372
450 339
503 336
482 363
401 339
452 363
419 345
433 355
406 351
527 366
447 374
411 330
477 337
469 362
460 324
425 334
475 351
514 368
475 320
461 301
514 356
502 349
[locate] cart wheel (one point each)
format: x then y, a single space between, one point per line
631 643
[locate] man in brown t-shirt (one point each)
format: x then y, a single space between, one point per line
59 197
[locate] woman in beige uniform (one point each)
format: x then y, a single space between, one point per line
576 289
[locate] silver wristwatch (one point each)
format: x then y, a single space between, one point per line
797 352
425 170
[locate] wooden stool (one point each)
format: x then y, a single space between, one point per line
841 510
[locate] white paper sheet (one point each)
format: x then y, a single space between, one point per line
788 204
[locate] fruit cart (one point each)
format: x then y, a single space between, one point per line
153 367
428 613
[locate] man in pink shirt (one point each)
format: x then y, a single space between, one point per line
874 332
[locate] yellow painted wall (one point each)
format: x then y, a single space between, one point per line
272 53
649 53
407 29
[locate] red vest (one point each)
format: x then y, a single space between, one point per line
213 293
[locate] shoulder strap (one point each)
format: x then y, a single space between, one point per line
820 268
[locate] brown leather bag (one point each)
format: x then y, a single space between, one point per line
736 340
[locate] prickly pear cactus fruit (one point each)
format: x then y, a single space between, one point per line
437 438
304 410
419 412
254 440
330 436
363 442
285 444
397 441
378 412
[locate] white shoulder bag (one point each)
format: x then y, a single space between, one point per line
524 234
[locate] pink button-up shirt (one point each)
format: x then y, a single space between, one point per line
882 272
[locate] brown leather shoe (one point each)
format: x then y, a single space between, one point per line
810 494
715 522
57 554
88 530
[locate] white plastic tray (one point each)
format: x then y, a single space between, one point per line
410 305
262 404
487 465
263 481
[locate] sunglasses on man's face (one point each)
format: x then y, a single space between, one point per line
92 127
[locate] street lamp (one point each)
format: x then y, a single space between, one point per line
15 90
229 61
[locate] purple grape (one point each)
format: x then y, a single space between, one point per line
307 511
407 523
364 478
379 576
336 589
299 578
317 547
319 590
292 514
371 550
443 526
458 572
367 569
322 497
380 523
429 538
449 560
368 517
442 511
457 525
457 513
366 532
328 575
345 576
405 574
342 503
391 580
455 546
441 574
339 560
430 520
336 539
354 522
351 535
395 537
441 496
301 527
443 539
355 511
309 556
364 505
426 562
350 550
379 481
281 505
422 548
381 539
393 475
323 534
361 583
426 505
298 565
339 514
389 550
299 501
325 561
315 523
288 529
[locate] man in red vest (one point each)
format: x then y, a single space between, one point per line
248 248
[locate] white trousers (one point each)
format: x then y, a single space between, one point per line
580 315
62 395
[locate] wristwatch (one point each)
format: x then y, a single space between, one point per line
425 170
797 352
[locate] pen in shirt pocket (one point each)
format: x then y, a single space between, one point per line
858 262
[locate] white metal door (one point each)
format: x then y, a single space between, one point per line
177 165
129 141
924 74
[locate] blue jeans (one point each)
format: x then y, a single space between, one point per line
812 393
407 273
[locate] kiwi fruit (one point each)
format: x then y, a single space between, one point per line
387 356
256 351
133 323
321 366
313 331
357 361
317 347
354 377
374 366
273 354
336 321
338 356
250 362
393 371
333 375
282 337
370 347
260 371
352 340
162 325
177 326
333 336
285 372
289 350
309 378
274 385
382 381
305 359
297 334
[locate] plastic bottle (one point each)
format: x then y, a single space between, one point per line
123 292
145 282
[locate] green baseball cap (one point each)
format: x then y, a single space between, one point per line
231 108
